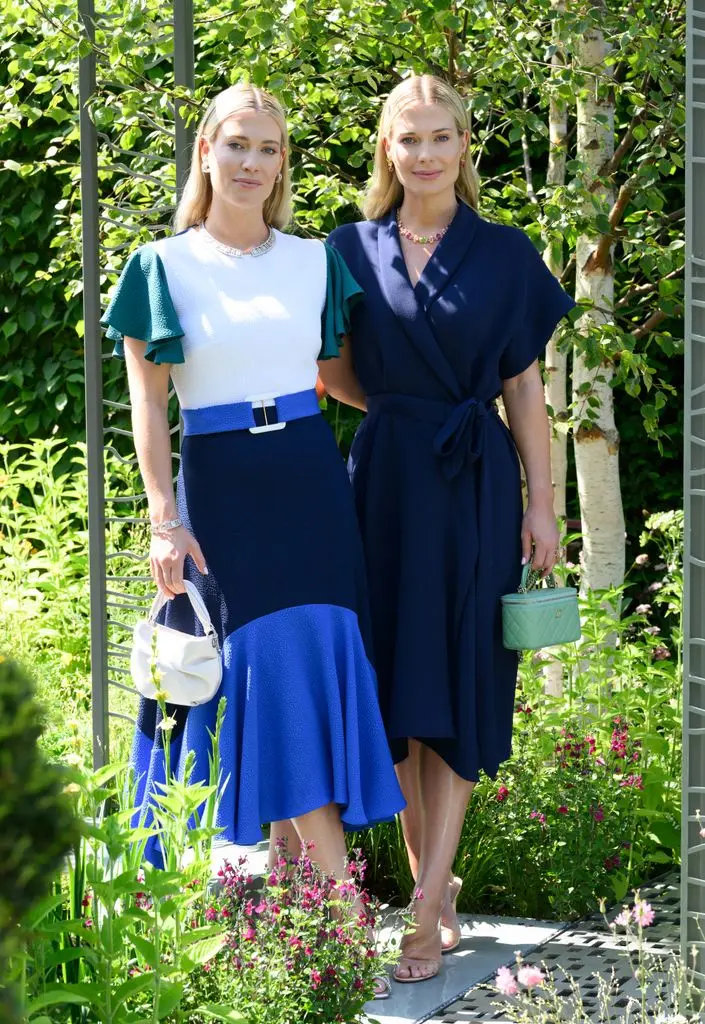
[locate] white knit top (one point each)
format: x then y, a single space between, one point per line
233 328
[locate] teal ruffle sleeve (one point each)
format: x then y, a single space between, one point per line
142 308
342 293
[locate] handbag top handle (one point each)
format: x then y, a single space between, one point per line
531 578
196 603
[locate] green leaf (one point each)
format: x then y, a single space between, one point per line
225 1013
55 995
170 993
200 952
130 988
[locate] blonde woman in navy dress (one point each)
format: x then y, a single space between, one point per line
238 314
456 311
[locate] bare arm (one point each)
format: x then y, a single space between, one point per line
149 389
528 421
339 378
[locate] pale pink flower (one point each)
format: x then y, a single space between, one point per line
702 833
643 609
643 914
642 559
505 982
623 918
530 976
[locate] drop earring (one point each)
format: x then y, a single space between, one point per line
279 177
390 166
205 168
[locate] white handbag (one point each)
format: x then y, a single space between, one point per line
190 667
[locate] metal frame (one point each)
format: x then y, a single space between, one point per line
107 605
693 792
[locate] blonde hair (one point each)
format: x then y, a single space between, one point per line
197 196
385 191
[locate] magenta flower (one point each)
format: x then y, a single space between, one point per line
529 976
623 918
211 914
505 983
643 914
88 923
632 782
598 813
502 794
661 654
538 815
418 894
563 809
250 934
316 978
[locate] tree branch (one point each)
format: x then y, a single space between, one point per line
652 322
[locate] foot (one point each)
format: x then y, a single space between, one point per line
383 989
450 926
421 948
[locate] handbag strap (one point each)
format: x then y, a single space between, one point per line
531 579
196 603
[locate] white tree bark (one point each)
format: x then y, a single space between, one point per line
596 441
556 363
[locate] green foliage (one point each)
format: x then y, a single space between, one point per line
38 826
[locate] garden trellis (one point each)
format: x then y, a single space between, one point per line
693 844
119 580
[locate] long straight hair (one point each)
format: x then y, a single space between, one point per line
198 192
385 190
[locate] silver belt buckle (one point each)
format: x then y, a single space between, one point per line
264 402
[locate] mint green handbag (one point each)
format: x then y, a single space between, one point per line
539 616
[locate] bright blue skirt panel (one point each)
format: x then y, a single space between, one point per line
286 591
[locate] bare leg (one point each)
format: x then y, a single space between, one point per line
409 776
283 830
444 800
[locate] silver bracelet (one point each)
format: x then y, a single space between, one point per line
159 529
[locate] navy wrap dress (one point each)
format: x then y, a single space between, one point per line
436 474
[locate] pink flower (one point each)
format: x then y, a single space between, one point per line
623 918
418 894
538 815
88 923
652 630
643 914
702 833
661 654
563 809
530 976
598 813
211 914
250 934
502 794
632 782
316 978
642 559
505 983
643 609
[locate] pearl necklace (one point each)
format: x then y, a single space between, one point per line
420 239
229 250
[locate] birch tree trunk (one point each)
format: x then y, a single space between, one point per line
596 441
556 363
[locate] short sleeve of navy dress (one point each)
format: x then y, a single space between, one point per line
264 490
436 474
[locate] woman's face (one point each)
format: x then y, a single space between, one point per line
426 148
244 159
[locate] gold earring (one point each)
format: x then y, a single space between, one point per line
390 166
279 177
462 161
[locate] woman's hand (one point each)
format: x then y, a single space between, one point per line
166 558
539 532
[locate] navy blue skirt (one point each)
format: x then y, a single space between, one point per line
286 591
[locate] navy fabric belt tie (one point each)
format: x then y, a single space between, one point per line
274 413
459 441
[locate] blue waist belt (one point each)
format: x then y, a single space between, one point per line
258 414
